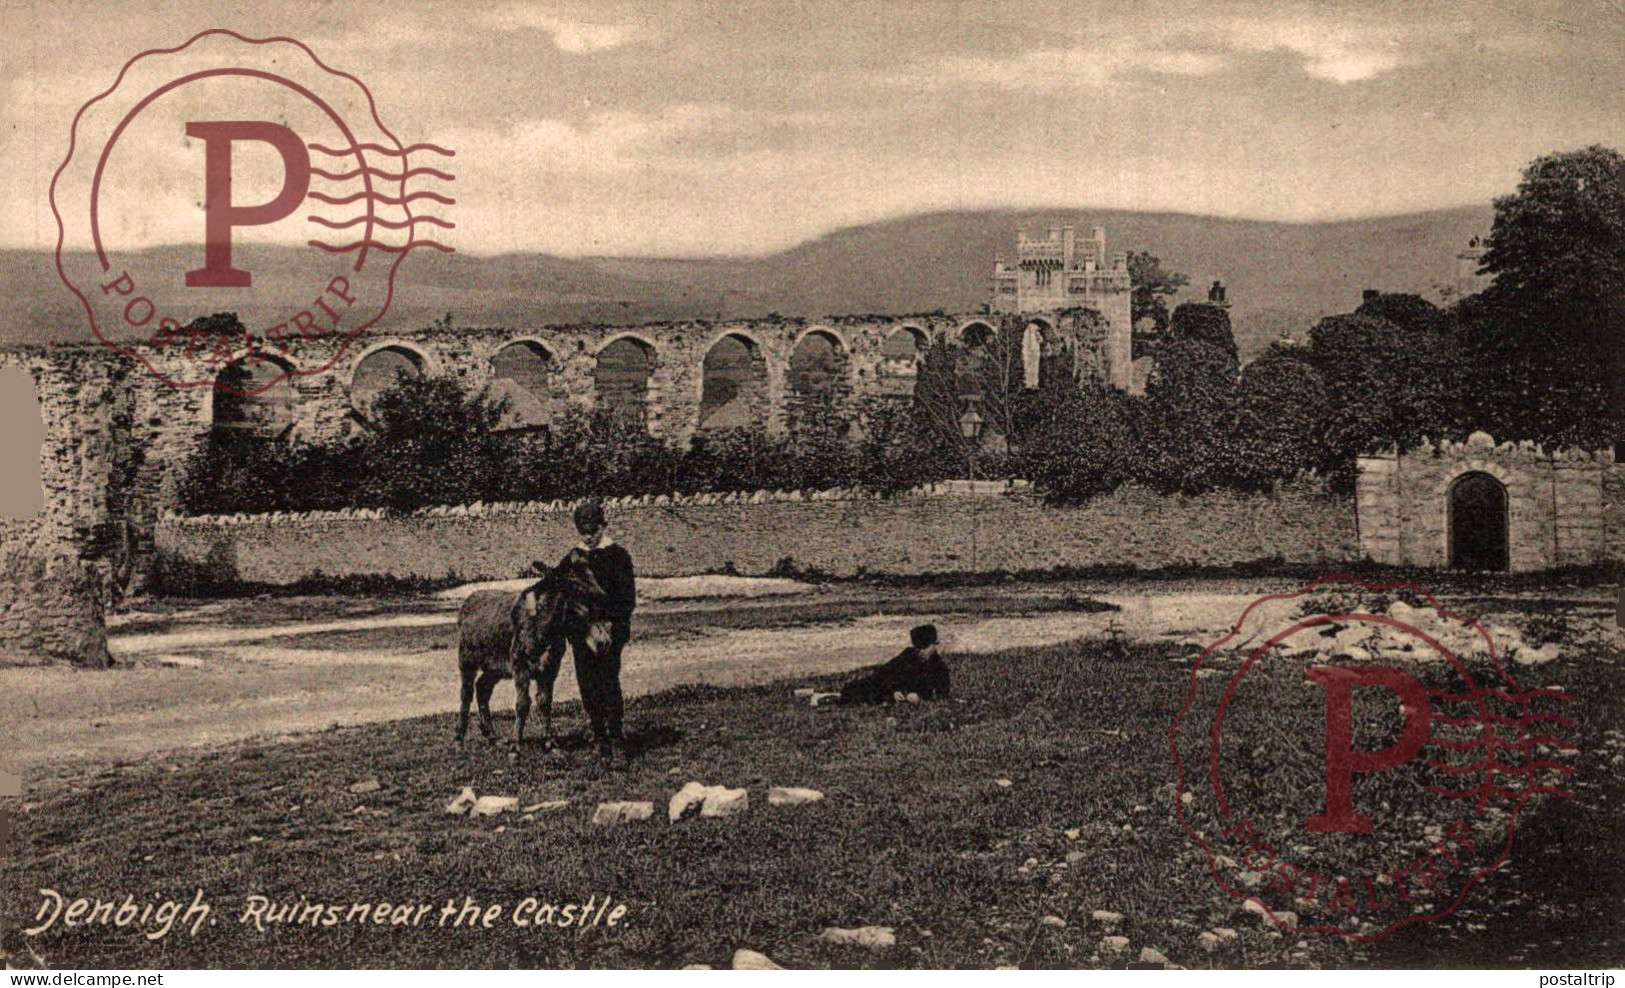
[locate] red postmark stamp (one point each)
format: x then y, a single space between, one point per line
197 162
1353 758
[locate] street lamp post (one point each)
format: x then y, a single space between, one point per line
970 426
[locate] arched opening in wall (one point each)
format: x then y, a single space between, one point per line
621 379
733 384
972 369
975 335
22 491
251 403
900 358
1038 340
379 370
1477 520
817 371
521 374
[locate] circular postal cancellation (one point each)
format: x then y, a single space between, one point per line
1352 758
278 189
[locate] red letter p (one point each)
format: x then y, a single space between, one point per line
220 214
1342 761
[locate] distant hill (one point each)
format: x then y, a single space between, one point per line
1282 276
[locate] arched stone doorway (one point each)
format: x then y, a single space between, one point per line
900 357
248 406
379 370
622 376
1477 518
817 373
520 373
733 384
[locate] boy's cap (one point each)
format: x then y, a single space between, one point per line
923 636
589 514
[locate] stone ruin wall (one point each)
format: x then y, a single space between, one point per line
117 437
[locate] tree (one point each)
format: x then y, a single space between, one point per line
1280 415
1185 429
1201 322
430 442
1386 386
1545 337
1076 440
1151 286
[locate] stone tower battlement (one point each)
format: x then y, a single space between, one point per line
1060 271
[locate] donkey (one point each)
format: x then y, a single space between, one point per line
503 635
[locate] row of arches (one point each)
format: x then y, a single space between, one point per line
734 376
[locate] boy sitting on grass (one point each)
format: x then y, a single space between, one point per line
917 673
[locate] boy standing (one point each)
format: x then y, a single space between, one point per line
598 651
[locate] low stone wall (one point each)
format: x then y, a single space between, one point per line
841 533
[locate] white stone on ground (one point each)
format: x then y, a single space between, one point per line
688 800
463 803
791 796
725 802
873 937
1106 918
1113 945
750 960
492 805
1151 956
365 786
609 814
552 804
1054 921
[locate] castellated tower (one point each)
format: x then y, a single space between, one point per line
1062 272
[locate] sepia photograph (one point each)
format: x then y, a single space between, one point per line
812 484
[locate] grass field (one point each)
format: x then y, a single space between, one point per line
915 833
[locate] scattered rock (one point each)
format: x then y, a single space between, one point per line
1073 857
1003 783
1149 955
818 698
696 967
1527 656
1107 919
1256 908
609 814
463 803
552 804
1074 834
492 805
790 796
1113 945
722 802
1286 919
1054 921
687 800
873 937
750 960
365 786
1209 942
1224 933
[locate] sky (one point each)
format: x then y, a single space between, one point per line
689 129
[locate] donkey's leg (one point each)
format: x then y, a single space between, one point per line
546 675
482 690
469 673
521 701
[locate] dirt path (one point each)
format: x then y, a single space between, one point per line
232 689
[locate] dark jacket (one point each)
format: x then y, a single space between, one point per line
912 671
611 566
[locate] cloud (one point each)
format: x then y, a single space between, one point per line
1335 53
573 35
1054 69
